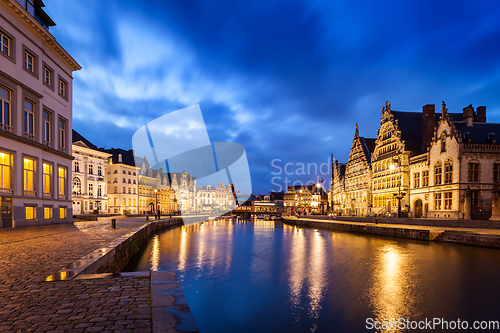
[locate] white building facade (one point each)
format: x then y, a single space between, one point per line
89 180
35 119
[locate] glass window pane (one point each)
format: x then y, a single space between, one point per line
4 93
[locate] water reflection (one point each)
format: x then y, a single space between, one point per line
241 276
155 253
393 289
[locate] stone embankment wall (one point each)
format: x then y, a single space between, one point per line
473 236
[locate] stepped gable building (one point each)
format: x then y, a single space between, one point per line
337 187
357 178
154 189
89 177
435 165
36 97
122 182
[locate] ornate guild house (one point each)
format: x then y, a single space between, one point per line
424 165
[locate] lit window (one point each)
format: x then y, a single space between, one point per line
448 200
448 171
62 182
30 212
5 43
416 179
29 177
62 135
47 180
115 201
437 201
46 128
63 212
437 173
29 62
99 190
91 189
124 202
29 120
5 110
77 186
425 178
63 88
47 213
5 167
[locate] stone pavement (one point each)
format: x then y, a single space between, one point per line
28 255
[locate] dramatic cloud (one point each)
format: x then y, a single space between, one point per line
287 80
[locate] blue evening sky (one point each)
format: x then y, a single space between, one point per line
288 80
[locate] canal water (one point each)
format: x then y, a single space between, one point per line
263 276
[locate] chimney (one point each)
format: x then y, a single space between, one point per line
481 114
428 121
468 115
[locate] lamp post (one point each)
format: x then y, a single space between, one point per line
156 202
318 185
400 195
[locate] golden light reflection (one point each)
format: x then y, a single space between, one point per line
182 250
155 254
316 277
392 293
297 270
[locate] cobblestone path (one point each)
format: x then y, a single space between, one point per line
28 255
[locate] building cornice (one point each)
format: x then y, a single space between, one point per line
35 144
42 32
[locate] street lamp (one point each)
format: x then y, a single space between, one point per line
400 195
156 195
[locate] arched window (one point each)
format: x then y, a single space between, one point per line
438 170
77 186
448 171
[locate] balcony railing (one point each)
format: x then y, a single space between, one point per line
47 195
5 127
6 191
47 143
29 193
62 196
30 136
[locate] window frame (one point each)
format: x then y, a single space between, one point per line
448 200
438 173
65 90
76 184
26 126
6 126
448 171
32 207
496 172
28 52
47 68
65 210
437 200
47 208
62 182
47 127
9 169
29 174
47 177
62 134
473 172
11 54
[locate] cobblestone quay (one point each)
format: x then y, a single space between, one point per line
29 255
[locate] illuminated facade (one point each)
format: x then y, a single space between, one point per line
123 187
89 177
211 199
36 93
430 165
357 199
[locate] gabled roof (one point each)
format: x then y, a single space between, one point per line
78 137
127 156
410 125
478 133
